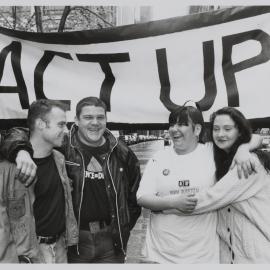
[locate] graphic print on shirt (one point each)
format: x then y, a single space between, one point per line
176 184
184 188
94 170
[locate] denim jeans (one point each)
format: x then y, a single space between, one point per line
95 248
54 253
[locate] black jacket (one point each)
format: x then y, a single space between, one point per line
122 171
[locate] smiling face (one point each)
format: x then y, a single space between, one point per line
91 125
225 132
184 137
55 127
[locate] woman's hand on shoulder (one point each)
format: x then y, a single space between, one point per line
246 162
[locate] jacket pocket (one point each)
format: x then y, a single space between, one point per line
16 207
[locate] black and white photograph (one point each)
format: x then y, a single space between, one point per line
134 132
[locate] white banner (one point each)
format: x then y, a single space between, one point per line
144 71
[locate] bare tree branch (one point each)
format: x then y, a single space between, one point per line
29 20
56 19
6 20
67 11
62 23
94 13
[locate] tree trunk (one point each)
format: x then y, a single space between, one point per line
38 19
14 16
62 23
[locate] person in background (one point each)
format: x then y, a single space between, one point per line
170 180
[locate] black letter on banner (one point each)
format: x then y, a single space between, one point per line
108 82
164 80
229 69
39 71
15 48
209 77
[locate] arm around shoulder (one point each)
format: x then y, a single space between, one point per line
14 140
230 189
132 168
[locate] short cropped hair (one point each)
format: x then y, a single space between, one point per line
40 108
89 101
186 114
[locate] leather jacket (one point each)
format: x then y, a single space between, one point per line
122 177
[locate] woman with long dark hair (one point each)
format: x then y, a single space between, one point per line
244 205
236 131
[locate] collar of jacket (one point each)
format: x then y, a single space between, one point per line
58 157
74 141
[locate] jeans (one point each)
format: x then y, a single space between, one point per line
56 252
95 248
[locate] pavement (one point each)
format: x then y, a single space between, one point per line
137 237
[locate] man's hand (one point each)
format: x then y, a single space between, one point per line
246 163
184 203
26 168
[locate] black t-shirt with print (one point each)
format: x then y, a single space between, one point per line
95 204
49 204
